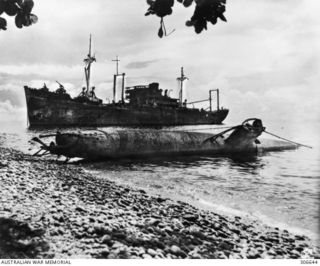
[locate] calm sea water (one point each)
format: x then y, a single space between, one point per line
278 188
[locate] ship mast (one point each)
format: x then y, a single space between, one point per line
117 61
181 79
87 69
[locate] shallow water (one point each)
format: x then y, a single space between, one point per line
279 188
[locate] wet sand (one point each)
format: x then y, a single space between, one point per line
54 210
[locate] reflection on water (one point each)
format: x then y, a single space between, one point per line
280 188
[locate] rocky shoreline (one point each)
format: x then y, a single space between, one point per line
54 210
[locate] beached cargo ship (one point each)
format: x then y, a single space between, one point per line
133 106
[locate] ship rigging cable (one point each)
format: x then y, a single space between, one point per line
267 132
299 144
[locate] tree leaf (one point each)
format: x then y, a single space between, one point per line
187 3
27 6
10 8
2 5
26 20
222 17
33 18
3 24
19 20
160 32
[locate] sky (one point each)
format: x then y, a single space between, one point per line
264 60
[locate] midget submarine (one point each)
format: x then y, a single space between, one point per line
133 143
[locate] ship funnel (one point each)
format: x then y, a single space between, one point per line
116 98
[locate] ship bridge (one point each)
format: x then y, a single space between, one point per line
149 95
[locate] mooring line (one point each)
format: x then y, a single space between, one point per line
299 144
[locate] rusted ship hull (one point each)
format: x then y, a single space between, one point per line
49 112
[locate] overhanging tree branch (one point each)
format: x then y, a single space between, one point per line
21 9
205 11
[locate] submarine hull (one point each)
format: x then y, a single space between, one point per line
97 144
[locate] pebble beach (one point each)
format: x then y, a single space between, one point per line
55 210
